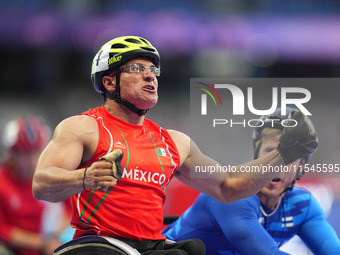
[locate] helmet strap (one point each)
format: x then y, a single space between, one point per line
257 150
297 177
116 97
290 187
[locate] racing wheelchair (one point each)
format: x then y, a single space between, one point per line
101 245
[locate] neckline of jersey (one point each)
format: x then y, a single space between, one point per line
273 211
119 121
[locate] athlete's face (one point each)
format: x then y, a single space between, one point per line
139 88
277 185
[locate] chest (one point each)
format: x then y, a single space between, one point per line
283 223
149 157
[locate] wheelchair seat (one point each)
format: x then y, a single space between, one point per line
95 245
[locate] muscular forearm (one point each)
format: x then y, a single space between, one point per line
55 184
247 179
251 177
229 186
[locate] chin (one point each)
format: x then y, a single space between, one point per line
145 105
271 192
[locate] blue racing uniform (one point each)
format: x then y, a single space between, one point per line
242 228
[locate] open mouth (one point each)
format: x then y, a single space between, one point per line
149 87
276 180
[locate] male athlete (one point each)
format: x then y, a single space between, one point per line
262 223
23 226
130 207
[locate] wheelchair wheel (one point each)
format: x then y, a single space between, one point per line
91 249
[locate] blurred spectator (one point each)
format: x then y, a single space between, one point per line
26 227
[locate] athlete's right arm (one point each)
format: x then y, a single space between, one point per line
74 141
241 227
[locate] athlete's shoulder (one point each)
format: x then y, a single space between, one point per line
249 202
179 137
203 199
81 129
295 192
77 122
251 199
94 112
182 142
298 198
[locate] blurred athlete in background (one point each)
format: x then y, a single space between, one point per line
23 226
262 223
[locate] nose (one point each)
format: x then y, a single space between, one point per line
148 76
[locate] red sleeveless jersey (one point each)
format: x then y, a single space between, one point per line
134 207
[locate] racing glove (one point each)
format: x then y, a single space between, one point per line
115 157
299 141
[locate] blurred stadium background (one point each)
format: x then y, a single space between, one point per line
46 50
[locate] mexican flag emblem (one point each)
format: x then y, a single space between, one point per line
161 152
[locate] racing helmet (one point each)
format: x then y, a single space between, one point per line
26 135
116 52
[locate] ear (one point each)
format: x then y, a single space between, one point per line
109 83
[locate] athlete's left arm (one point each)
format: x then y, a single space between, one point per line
241 227
317 233
221 186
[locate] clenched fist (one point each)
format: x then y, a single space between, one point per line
300 141
105 172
